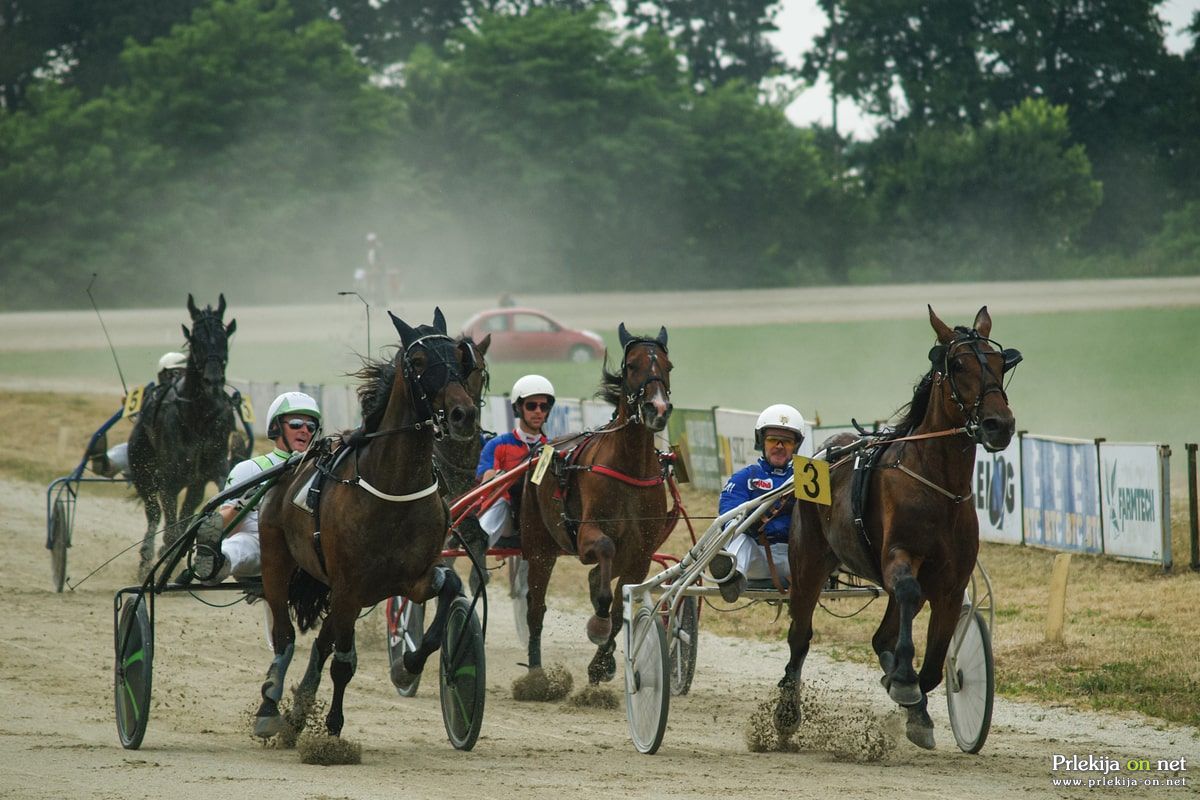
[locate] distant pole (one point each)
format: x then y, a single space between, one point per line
368 307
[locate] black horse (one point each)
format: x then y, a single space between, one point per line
181 441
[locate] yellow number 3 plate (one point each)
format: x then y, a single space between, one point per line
812 480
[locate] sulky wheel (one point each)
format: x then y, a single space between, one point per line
133 671
647 682
60 540
685 636
463 677
405 630
970 682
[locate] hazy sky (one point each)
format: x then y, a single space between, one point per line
801 20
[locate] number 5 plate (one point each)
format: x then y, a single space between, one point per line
812 480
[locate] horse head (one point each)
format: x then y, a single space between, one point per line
208 342
435 370
646 378
968 367
474 366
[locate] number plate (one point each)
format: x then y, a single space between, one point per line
133 401
812 480
544 459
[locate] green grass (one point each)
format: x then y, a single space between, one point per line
1124 375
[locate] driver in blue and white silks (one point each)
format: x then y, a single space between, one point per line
778 432
292 423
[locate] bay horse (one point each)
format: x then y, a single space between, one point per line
181 438
919 536
605 500
382 521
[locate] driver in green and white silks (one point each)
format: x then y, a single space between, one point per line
292 423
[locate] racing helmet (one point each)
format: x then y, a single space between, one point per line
528 386
290 403
172 360
780 415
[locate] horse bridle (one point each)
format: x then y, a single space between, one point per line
633 397
972 341
419 392
208 320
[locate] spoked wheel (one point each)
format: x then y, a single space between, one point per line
463 678
685 636
970 682
405 630
647 682
133 672
60 535
518 590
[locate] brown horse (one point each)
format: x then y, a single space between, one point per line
382 522
919 535
604 500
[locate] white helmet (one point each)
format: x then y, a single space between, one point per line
528 386
172 360
291 403
779 415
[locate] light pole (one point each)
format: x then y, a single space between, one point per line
368 306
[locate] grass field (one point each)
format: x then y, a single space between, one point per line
1131 375
1131 631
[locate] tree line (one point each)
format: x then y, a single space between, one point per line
559 145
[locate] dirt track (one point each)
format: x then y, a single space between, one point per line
57 737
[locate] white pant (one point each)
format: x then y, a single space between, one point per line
497 521
243 557
752 557
118 456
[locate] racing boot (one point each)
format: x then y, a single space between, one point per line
209 564
729 580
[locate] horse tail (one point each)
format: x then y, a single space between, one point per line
309 599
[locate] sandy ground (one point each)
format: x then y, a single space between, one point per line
58 737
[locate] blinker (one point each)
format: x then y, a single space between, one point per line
1012 357
937 354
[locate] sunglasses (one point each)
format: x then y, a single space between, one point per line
530 405
772 441
297 424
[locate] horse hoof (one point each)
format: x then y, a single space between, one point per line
266 727
919 734
905 694
786 718
598 630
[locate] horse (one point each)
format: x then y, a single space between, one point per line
371 543
917 535
181 439
604 500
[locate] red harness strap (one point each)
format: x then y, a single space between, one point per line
609 472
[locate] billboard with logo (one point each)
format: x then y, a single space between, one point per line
1060 493
1136 524
997 489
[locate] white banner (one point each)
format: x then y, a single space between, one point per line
997 488
596 413
1060 493
496 415
565 417
1132 501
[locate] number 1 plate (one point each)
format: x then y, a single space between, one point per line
812 480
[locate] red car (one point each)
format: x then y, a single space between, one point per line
531 335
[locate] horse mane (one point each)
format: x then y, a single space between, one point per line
610 384
377 377
912 412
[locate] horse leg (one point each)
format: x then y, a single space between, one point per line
443 583
884 641
596 548
900 578
342 617
277 568
541 566
809 573
943 619
153 516
603 666
170 506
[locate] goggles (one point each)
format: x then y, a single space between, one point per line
774 441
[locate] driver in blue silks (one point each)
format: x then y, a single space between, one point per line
778 432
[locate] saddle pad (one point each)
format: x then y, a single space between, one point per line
300 499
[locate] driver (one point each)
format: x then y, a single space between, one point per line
778 431
110 462
532 398
292 423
